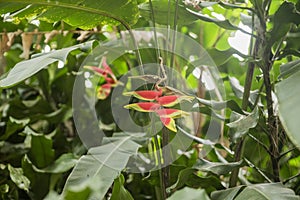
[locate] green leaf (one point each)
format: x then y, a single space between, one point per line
221 23
241 124
26 69
189 194
64 163
287 92
14 125
221 57
17 176
190 178
119 192
283 18
41 153
228 194
219 105
238 90
265 191
161 9
98 169
84 14
217 168
289 68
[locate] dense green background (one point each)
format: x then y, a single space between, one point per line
41 155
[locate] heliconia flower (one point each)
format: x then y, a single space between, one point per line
104 72
143 106
169 123
169 112
103 91
148 95
172 100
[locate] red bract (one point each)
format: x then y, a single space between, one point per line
172 100
108 75
143 106
168 100
174 113
148 95
169 123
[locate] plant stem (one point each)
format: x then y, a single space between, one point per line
247 88
272 125
237 152
166 157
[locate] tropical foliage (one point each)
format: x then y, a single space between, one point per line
235 108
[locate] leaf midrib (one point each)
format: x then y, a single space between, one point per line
75 7
109 155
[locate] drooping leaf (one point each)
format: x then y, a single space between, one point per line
216 167
287 92
83 14
219 105
26 69
41 153
241 124
98 169
221 57
189 194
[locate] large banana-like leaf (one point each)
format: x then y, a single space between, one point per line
84 14
266 191
98 169
25 69
287 92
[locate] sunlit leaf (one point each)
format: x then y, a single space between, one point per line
21 71
84 14
17 176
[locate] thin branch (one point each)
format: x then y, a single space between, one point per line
290 178
258 170
259 142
